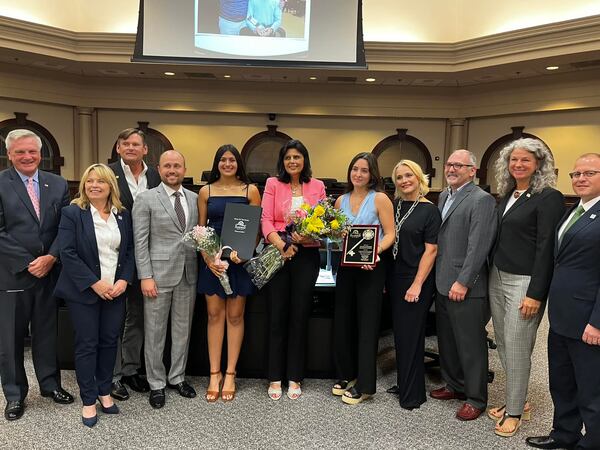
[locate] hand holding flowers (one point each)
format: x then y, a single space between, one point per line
206 240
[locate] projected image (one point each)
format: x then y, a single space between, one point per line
252 28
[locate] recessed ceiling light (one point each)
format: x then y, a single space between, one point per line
226 76
552 68
170 74
312 78
370 80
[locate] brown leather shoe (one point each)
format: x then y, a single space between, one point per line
444 393
468 412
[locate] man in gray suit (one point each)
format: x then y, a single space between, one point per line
168 271
462 307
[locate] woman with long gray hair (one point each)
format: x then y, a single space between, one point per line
522 263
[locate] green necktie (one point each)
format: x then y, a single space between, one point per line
578 213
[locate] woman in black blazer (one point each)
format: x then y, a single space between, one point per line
96 251
522 264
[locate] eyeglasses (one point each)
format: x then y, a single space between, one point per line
586 174
457 166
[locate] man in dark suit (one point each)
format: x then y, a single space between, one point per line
30 205
133 178
462 308
574 314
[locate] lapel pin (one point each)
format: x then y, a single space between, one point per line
120 217
45 185
117 177
593 216
528 194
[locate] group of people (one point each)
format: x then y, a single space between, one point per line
251 17
117 257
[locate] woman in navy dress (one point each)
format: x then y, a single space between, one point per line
227 183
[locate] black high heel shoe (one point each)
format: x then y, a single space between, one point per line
89 421
113 409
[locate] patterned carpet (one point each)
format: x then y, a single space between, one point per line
316 420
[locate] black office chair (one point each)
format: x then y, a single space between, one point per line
205 175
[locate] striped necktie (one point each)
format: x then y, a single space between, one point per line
179 210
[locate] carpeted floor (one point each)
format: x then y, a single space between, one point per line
316 420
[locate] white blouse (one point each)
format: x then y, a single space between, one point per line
108 239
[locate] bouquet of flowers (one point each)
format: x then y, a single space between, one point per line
261 268
320 221
205 239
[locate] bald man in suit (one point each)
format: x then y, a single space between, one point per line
574 315
168 270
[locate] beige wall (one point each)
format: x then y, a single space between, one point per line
55 118
343 121
332 141
567 134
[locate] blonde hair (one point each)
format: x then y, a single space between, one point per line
416 169
106 174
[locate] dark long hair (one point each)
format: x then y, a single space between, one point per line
306 173
374 177
240 172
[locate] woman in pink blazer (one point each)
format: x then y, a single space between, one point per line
290 290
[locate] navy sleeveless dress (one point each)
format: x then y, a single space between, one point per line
240 281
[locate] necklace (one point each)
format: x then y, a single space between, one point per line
297 189
400 221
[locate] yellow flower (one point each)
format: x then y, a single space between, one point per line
319 211
316 223
311 229
334 224
305 206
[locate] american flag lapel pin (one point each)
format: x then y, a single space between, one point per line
593 216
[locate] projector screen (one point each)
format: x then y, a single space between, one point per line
251 32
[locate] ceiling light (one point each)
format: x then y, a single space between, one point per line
370 80
226 76
552 68
312 78
170 74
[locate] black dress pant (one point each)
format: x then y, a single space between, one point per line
462 342
409 319
574 369
358 297
39 307
290 301
97 328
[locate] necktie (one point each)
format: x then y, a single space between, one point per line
578 213
35 201
179 210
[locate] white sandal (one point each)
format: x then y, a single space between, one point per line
294 393
274 392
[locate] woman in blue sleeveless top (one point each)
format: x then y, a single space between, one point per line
358 291
227 183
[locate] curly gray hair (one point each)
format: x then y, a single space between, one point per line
544 176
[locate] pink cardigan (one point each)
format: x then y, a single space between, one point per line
277 201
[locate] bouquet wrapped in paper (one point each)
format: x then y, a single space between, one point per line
317 222
320 221
261 268
206 240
